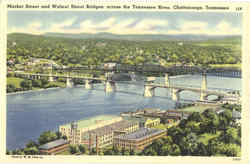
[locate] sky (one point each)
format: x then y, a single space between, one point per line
175 23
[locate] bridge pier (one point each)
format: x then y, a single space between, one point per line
203 95
51 78
110 86
69 82
88 84
167 81
148 91
175 94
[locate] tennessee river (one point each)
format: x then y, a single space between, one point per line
30 114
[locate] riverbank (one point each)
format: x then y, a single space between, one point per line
30 91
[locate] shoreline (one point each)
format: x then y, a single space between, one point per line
30 91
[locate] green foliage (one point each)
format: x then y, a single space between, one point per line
26 84
73 149
31 151
83 149
31 144
46 137
37 83
11 88
68 51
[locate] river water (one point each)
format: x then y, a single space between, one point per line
30 114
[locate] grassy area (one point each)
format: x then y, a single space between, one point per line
66 152
14 81
204 138
198 108
236 66
161 126
60 84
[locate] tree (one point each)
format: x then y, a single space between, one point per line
201 150
31 150
132 152
175 150
44 82
46 137
176 134
231 135
26 84
11 88
195 116
108 152
73 149
37 83
31 144
58 135
64 137
82 149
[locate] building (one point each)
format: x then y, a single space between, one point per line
73 131
98 131
54 147
103 136
231 100
175 115
139 139
236 115
144 122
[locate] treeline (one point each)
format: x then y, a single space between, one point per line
206 134
23 84
74 52
31 148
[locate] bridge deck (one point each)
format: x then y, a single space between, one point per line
64 76
190 89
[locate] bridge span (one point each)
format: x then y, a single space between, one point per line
149 85
149 89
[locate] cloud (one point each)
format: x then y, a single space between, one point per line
130 26
127 26
147 24
202 28
33 28
225 27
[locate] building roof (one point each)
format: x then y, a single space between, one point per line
141 134
53 144
112 127
139 119
236 114
92 121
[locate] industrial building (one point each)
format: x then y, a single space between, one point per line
74 130
54 147
97 132
103 136
144 122
139 139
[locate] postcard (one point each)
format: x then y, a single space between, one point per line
112 82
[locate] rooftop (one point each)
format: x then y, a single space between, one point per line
112 127
236 114
92 121
53 144
141 134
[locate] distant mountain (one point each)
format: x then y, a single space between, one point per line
146 37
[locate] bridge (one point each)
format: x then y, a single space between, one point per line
158 69
149 88
109 84
149 85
